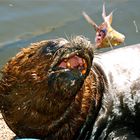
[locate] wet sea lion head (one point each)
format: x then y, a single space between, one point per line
40 89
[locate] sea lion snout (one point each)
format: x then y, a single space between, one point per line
71 65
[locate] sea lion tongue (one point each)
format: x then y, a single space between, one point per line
40 91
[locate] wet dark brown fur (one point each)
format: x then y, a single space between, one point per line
26 108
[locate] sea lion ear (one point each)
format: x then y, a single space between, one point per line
104 13
108 18
90 21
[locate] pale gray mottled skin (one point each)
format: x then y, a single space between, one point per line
119 116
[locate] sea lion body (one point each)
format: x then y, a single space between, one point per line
119 116
59 90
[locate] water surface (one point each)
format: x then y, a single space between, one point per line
25 21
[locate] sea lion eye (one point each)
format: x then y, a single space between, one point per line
51 48
104 31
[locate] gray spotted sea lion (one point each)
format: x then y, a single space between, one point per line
119 116
56 90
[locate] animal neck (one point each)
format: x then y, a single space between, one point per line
94 87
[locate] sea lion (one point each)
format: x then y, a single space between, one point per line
105 36
58 89
41 92
119 116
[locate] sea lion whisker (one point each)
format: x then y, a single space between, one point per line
109 42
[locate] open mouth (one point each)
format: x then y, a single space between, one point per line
74 62
100 35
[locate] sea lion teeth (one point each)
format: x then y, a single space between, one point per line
85 63
83 71
68 65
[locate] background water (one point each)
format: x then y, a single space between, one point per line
26 21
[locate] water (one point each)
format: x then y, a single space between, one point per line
25 21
